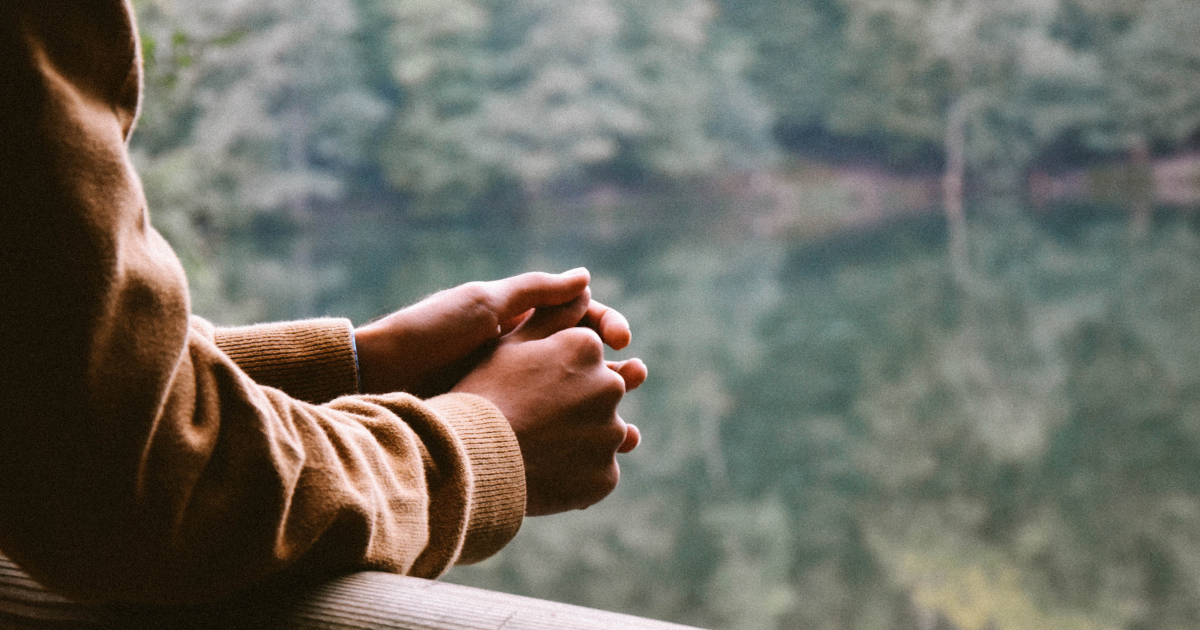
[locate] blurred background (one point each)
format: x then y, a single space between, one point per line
917 280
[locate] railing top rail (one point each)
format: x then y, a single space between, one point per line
360 600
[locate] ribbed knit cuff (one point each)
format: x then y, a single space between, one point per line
311 360
498 474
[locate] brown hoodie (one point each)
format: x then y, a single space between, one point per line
145 455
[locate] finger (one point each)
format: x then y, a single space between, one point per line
633 371
610 323
510 324
633 437
519 294
547 321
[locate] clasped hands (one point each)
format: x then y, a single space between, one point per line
533 345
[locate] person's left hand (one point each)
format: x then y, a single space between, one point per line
426 348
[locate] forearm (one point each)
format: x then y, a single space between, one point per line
311 360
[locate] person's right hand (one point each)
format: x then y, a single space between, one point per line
550 379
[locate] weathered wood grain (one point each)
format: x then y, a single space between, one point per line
363 600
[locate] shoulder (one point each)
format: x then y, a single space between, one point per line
92 44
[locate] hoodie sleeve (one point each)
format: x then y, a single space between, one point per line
140 461
312 360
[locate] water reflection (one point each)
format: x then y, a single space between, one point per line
836 430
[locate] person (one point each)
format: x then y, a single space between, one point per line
149 456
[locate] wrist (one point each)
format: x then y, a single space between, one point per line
357 364
370 352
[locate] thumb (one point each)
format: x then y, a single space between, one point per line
549 320
518 295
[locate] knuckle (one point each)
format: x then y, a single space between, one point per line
607 479
476 293
616 435
587 343
535 278
606 439
479 300
615 382
610 389
599 485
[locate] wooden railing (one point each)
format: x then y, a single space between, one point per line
360 600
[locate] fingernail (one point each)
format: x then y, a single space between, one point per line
578 271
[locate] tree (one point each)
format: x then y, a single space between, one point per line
797 47
253 113
1150 92
533 92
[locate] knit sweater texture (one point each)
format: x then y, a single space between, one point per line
146 455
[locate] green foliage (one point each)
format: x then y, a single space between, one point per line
798 50
967 421
534 92
1149 55
254 112
1028 73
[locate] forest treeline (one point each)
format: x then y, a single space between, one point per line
453 109
984 416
